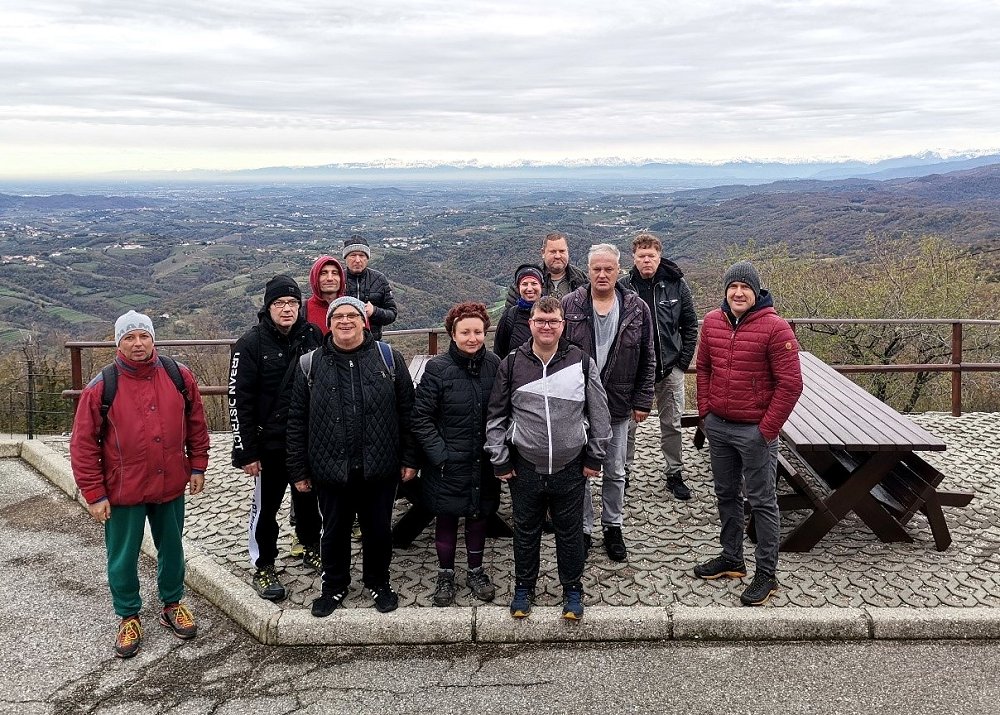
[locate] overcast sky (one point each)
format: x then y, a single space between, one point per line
104 85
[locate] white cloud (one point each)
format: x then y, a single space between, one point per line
104 85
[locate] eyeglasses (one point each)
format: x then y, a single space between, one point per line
344 316
282 304
546 323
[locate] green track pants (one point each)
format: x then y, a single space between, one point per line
123 537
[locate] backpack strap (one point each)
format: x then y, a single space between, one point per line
170 365
109 388
305 364
387 359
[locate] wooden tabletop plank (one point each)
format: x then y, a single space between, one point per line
833 411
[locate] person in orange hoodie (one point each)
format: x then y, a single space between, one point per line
328 282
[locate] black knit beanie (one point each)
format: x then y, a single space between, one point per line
281 286
743 272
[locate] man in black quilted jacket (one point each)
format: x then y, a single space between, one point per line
349 439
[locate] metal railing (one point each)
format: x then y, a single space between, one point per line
956 366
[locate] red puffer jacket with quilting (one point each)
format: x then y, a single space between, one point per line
749 373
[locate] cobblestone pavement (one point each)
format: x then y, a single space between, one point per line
667 537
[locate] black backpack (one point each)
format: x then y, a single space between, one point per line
109 374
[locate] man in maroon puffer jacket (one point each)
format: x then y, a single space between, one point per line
748 383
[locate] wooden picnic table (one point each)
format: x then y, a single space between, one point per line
865 452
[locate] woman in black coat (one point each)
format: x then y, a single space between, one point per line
449 421
512 328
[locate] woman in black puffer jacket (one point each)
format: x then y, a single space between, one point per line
449 421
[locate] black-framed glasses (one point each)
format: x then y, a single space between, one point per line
290 303
542 323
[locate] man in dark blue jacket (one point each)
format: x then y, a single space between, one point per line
614 327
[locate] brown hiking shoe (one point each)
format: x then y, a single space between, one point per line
179 619
129 637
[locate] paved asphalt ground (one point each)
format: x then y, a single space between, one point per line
57 628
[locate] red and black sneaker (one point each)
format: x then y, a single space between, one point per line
179 619
129 637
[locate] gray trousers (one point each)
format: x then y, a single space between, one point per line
669 394
612 481
740 454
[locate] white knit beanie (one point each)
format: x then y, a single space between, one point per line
132 321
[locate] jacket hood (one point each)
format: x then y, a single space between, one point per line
314 276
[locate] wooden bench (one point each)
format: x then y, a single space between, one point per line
865 452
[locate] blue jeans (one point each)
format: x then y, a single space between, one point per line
612 481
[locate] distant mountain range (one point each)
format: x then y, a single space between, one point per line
609 174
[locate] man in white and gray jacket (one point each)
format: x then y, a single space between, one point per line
547 431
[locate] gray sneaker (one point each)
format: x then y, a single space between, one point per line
444 594
479 581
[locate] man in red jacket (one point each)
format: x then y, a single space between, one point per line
134 465
748 383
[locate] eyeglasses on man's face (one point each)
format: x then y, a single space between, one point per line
290 304
351 317
544 323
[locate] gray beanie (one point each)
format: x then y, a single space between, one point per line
744 272
132 321
346 300
357 243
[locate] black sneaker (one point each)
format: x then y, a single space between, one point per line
573 603
328 603
520 605
759 590
479 582
444 594
675 483
266 584
614 543
386 599
312 560
720 566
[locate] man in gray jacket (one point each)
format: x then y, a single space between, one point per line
547 431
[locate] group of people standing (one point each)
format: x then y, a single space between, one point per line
319 402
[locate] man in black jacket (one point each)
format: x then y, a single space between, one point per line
261 376
561 277
368 285
349 439
660 283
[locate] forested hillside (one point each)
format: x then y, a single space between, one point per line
199 256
